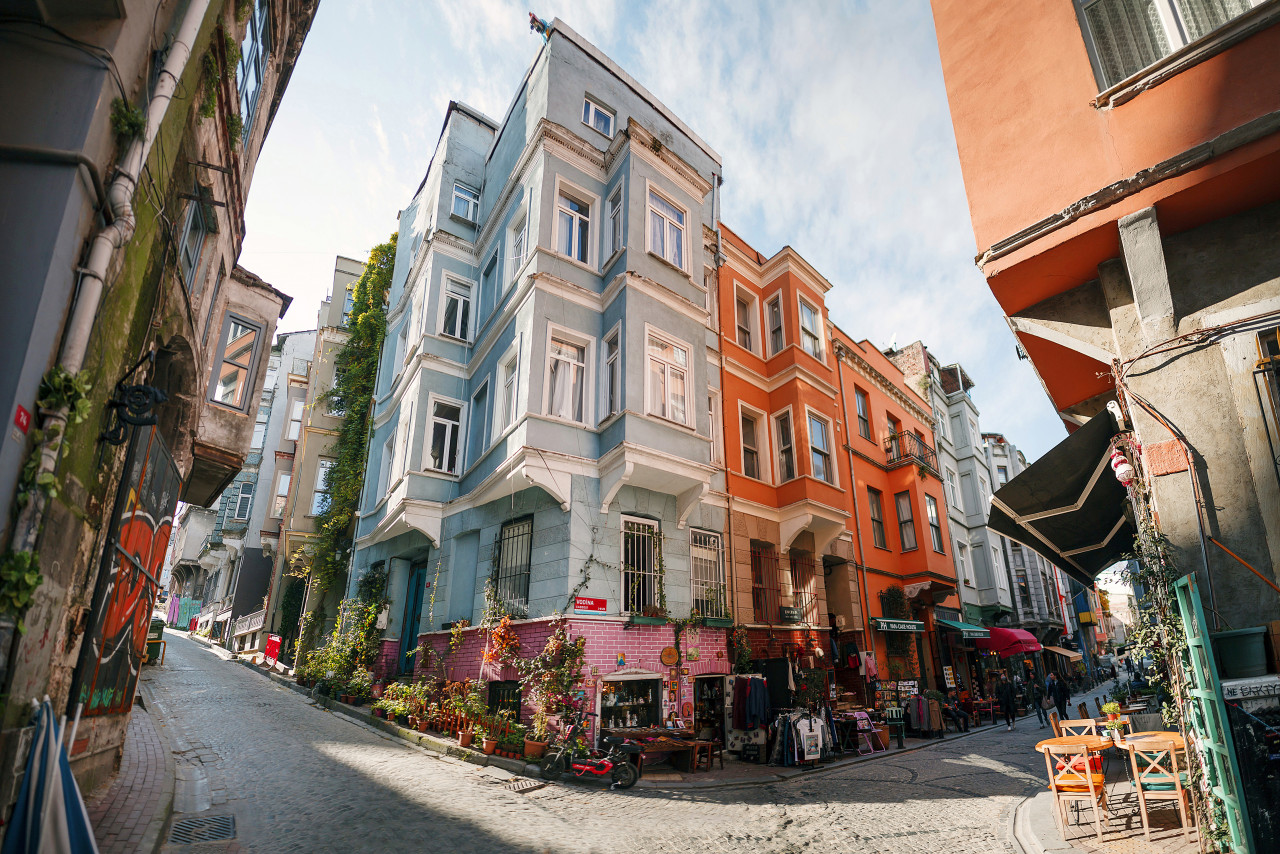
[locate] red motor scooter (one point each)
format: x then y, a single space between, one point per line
613 763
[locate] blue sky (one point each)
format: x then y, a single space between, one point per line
831 119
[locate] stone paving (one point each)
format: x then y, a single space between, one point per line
299 778
121 811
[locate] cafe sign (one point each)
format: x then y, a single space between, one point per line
898 625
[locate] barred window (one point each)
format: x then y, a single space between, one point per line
710 596
514 552
641 555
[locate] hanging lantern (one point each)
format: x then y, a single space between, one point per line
1122 467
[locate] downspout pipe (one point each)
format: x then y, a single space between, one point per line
853 496
106 243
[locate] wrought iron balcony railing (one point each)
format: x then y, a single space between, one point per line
906 447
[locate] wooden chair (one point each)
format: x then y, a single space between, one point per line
1083 709
1070 783
1053 722
1098 703
1088 726
1156 778
707 752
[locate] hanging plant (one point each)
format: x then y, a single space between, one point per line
19 578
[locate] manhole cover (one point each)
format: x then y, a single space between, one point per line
524 785
210 828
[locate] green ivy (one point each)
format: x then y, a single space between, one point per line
62 389
19 578
127 121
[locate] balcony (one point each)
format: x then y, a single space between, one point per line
249 623
905 447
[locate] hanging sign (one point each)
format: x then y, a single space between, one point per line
898 625
950 676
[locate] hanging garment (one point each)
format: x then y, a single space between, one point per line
757 703
869 665
791 677
741 686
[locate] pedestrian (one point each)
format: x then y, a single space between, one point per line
1038 696
1057 690
1005 697
951 710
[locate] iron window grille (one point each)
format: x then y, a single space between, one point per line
641 566
803 578
765 593
783 598
1266 375
707 574
513 553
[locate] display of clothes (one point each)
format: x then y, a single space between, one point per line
869 666
750 703
737 736
801 737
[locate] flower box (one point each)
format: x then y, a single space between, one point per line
718 622
640 620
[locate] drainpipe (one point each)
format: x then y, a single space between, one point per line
853 495
102 253
713 294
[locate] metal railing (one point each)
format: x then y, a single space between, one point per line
781 597
906 447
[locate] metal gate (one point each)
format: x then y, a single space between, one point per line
1208 716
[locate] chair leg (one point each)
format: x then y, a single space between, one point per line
1182 817
1097 816
1142 810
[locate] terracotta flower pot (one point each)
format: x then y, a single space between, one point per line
380 713
413 721
534 749
488 746
1112 717
422 725
466 737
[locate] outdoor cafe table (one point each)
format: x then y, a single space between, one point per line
1091 743
1137 738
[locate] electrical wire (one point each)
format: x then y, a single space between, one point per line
93 51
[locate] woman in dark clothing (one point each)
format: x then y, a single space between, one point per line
1005 697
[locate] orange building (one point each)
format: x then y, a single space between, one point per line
834 495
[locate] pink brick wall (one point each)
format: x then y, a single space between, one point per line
386 664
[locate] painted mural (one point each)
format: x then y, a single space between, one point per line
129 578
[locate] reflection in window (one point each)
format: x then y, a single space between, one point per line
239 346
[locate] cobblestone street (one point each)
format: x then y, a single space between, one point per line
299 778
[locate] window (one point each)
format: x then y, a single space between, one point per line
242 501
511 571
488 284
615 221
935 524
750 446
715 432
508 375
1002 475
668 395
384 471
566 377
895 438
597 117
939 424
820 450
803 577
446 420
864 413
281 498
259 430
744 312
320 495
519 234
573 219
348 303
666 229
193 233
402 349
1129 35
906 521
786 450
810 336
986 494
764 582
773 317
877 518
710 594
953 492
479 438
294 430
613 376
466 202
333 405
237 357
962 561
456 322
641 557
254 53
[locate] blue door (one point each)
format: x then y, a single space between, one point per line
412 615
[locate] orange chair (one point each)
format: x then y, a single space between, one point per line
1071 784
1084 727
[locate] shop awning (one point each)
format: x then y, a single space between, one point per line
1065 653
898 625
1006 642
966 630
1068 505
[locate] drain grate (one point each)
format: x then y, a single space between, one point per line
524 785
210 828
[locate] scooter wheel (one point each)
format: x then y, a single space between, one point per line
552 766
624 775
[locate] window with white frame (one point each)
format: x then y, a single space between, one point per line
566 379
750 445
597 117
466 202
939 425
935 524
281 497
1126 36
875 499
962 561
953 491
446 423
612 375
259 430
641 565
666 229
320 493
573 222
820 449
402 348
710 593
668 388
786 447
717 434
519 234
616 239
479 423
242 502
489 285
906 521
294 430
810 330
384 470
773 318
456 318
190 247
235 363
255 51
744 312
508 378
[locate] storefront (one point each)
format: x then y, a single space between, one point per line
902 641
708 707
631 701
958 652
1012 652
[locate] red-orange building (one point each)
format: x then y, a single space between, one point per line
834 494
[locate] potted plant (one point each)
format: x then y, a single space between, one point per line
1116 730
488 739
1111 710
466 737
537 736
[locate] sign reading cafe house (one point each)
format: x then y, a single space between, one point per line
129 578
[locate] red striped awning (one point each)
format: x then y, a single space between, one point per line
1008 642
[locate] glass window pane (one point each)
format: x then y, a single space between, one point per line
657 388
678 409
565 246
1128 36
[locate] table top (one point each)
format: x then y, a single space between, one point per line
1157 735
1089 742
649 732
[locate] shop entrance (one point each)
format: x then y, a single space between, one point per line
708 707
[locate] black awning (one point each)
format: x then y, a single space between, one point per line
1068 505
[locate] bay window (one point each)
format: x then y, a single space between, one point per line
750 446
456 319
446 422
320 495
613 376
810 330
666 230
773 317
668 367
235 363
820 449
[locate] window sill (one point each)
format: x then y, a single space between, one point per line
1189 56
463 220
574 261
612 259
599 132
670 422
683 273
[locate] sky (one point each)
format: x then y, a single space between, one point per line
831 120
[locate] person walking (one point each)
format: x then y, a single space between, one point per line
1005 695
1038 695
1058 692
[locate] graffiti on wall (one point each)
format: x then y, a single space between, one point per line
129 577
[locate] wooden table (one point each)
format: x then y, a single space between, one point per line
1088 742
1179 742
981 707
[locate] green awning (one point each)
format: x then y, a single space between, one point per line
898 625
966 630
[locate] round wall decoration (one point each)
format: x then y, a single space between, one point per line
687 709
669 656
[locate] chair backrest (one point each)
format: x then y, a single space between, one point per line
892 714
1098 703
1083 709
1053 722
1072 770
1074 727
864 721
1161 758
